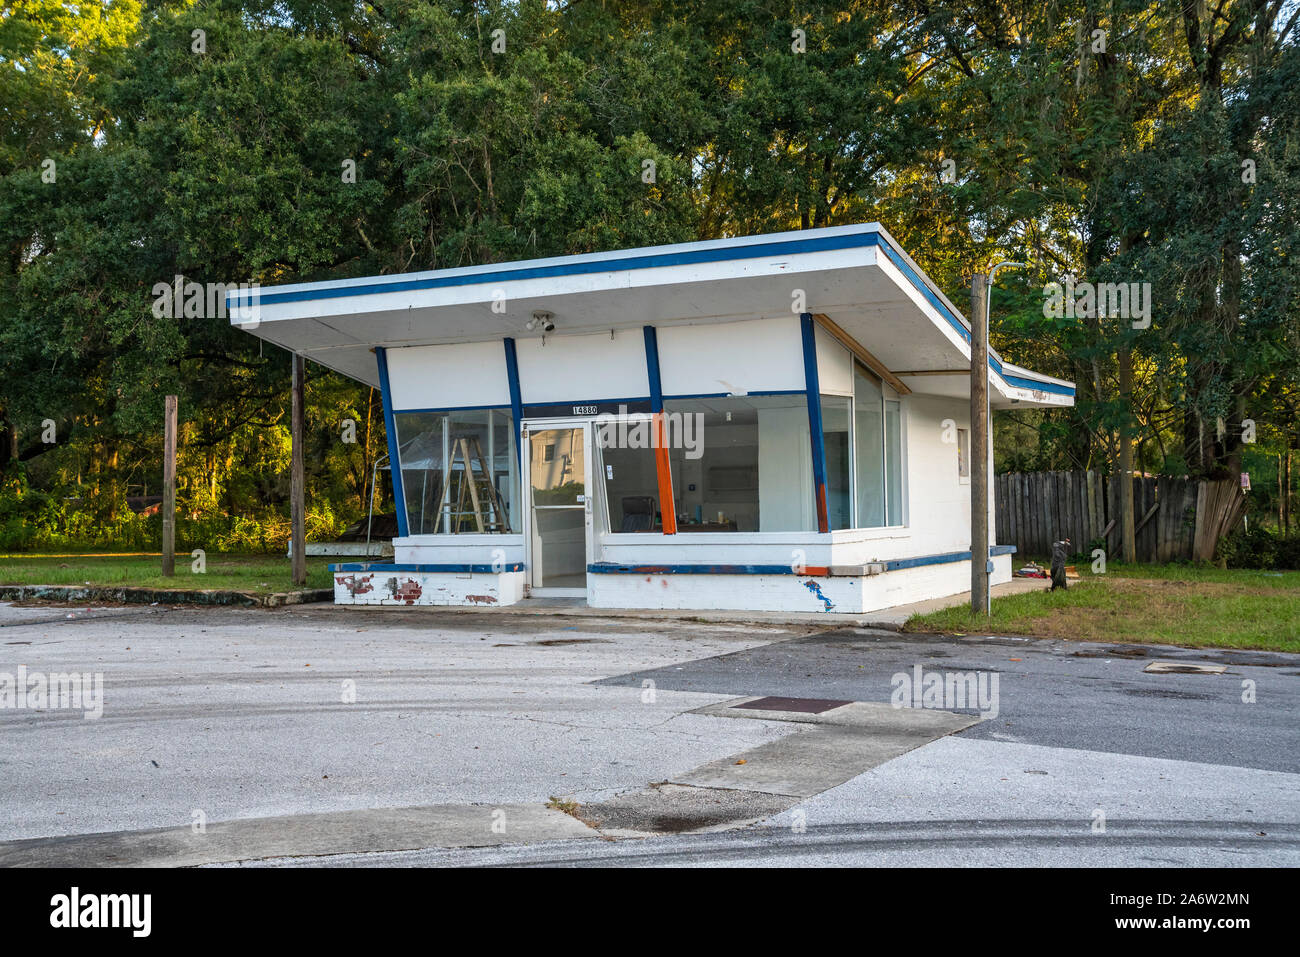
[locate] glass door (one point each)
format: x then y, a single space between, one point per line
559 507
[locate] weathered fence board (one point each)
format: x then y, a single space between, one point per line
1035 509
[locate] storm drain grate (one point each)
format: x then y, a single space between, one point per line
803 705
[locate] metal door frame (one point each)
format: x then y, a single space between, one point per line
542 425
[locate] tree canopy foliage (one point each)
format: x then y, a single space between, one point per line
1132 141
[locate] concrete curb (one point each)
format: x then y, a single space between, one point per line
363 831
574 608
161 596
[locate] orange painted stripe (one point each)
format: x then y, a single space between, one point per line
667 505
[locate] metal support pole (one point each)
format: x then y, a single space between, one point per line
169 487
979 448
297 479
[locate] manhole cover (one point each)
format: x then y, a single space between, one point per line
1183 668
803 705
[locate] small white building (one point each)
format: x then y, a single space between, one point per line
772 422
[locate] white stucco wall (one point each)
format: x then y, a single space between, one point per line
701 359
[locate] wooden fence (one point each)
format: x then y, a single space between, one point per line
1174 517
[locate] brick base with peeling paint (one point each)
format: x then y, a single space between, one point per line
484 589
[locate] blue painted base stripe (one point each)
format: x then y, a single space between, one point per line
944 559
431 569
611 568
607 568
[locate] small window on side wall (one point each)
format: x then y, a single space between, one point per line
963 453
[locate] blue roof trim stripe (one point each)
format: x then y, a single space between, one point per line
658 260
1035 384
994 362
924 289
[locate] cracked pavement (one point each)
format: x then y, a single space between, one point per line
240 713
464 727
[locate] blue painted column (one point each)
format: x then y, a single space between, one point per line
663 466
808 328
516 398
390 428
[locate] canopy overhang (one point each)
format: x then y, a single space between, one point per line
857 276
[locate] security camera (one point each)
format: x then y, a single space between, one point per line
542 319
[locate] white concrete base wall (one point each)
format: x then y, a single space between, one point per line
787 592
428 588
467 549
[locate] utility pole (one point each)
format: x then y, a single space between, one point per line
297 479
1127 519
981 298
169 487
979 447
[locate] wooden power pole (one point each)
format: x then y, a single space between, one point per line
1127 519
297 480
979 447
169 487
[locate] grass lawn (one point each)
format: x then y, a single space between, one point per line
246 573
1201 607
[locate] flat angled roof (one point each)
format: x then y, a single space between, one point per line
857 275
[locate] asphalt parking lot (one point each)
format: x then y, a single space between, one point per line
363 736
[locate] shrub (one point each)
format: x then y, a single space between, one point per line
1258 547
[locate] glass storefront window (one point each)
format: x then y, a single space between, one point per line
459 471
837 413
750 469
631 480
878 453
869 441
893 462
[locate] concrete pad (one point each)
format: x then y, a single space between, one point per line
348 832
873 717
833 747
807 763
